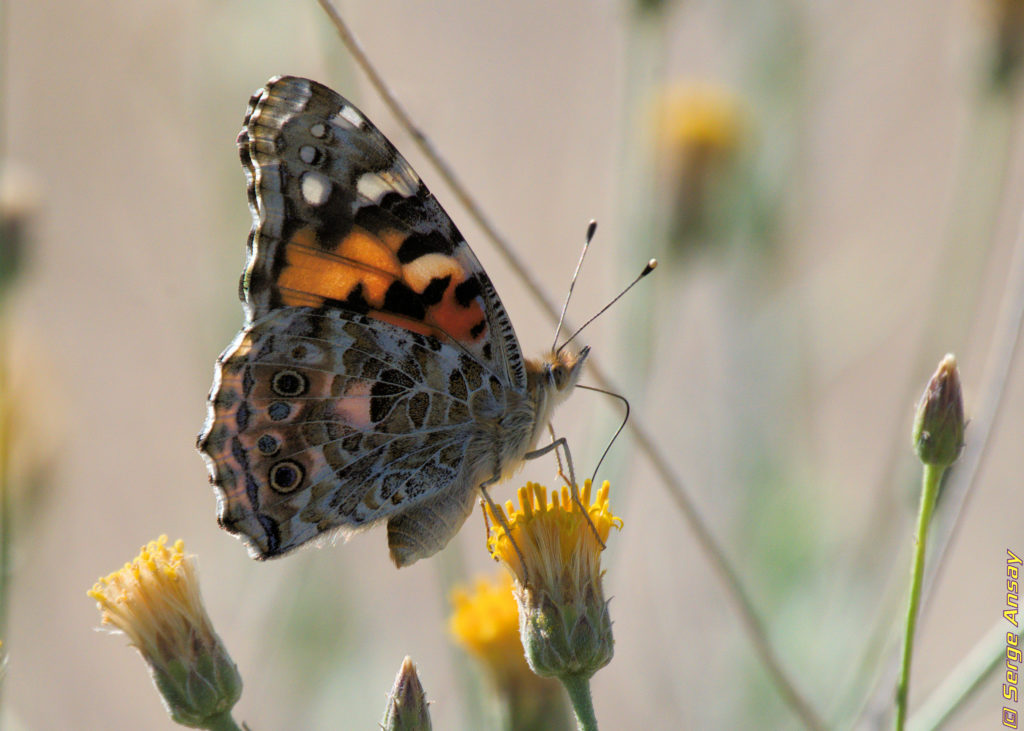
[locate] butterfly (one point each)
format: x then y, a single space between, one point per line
377 374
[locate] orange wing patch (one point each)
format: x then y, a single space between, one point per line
368 261
464 322
313 274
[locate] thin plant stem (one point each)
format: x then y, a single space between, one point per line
964 680
223 722
645 441
930 480
578 688
990 141
960 485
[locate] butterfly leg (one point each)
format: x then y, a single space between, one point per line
573 488
558 457
499 515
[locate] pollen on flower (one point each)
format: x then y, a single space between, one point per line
552 531
160 584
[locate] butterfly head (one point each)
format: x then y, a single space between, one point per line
555 376
563 368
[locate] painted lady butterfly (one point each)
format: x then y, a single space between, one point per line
377 374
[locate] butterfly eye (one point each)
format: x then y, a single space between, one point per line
289 383
286 476
558 375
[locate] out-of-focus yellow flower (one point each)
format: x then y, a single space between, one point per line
407 702
698 130
698 115
555 557
485 621
155 601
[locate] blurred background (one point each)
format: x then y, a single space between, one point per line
833 190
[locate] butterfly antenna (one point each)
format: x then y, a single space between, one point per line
651 266
618 431
591 230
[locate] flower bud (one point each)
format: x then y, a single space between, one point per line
407 703
939 425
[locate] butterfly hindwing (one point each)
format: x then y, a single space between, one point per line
317 426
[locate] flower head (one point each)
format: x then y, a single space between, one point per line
407 702
485 621
155 601
699 115
699 128
553 551
939 425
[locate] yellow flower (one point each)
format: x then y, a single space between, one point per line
555 557
699 128
485 621
155 601
699 115
555 537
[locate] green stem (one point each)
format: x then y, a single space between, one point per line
578 687
223 722
930 481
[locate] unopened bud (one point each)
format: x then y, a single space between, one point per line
939 425
407 703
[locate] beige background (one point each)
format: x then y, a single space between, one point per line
126 114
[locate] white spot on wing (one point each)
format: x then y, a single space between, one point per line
315 188
419 272
318 130
307 153
350 116
373 186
